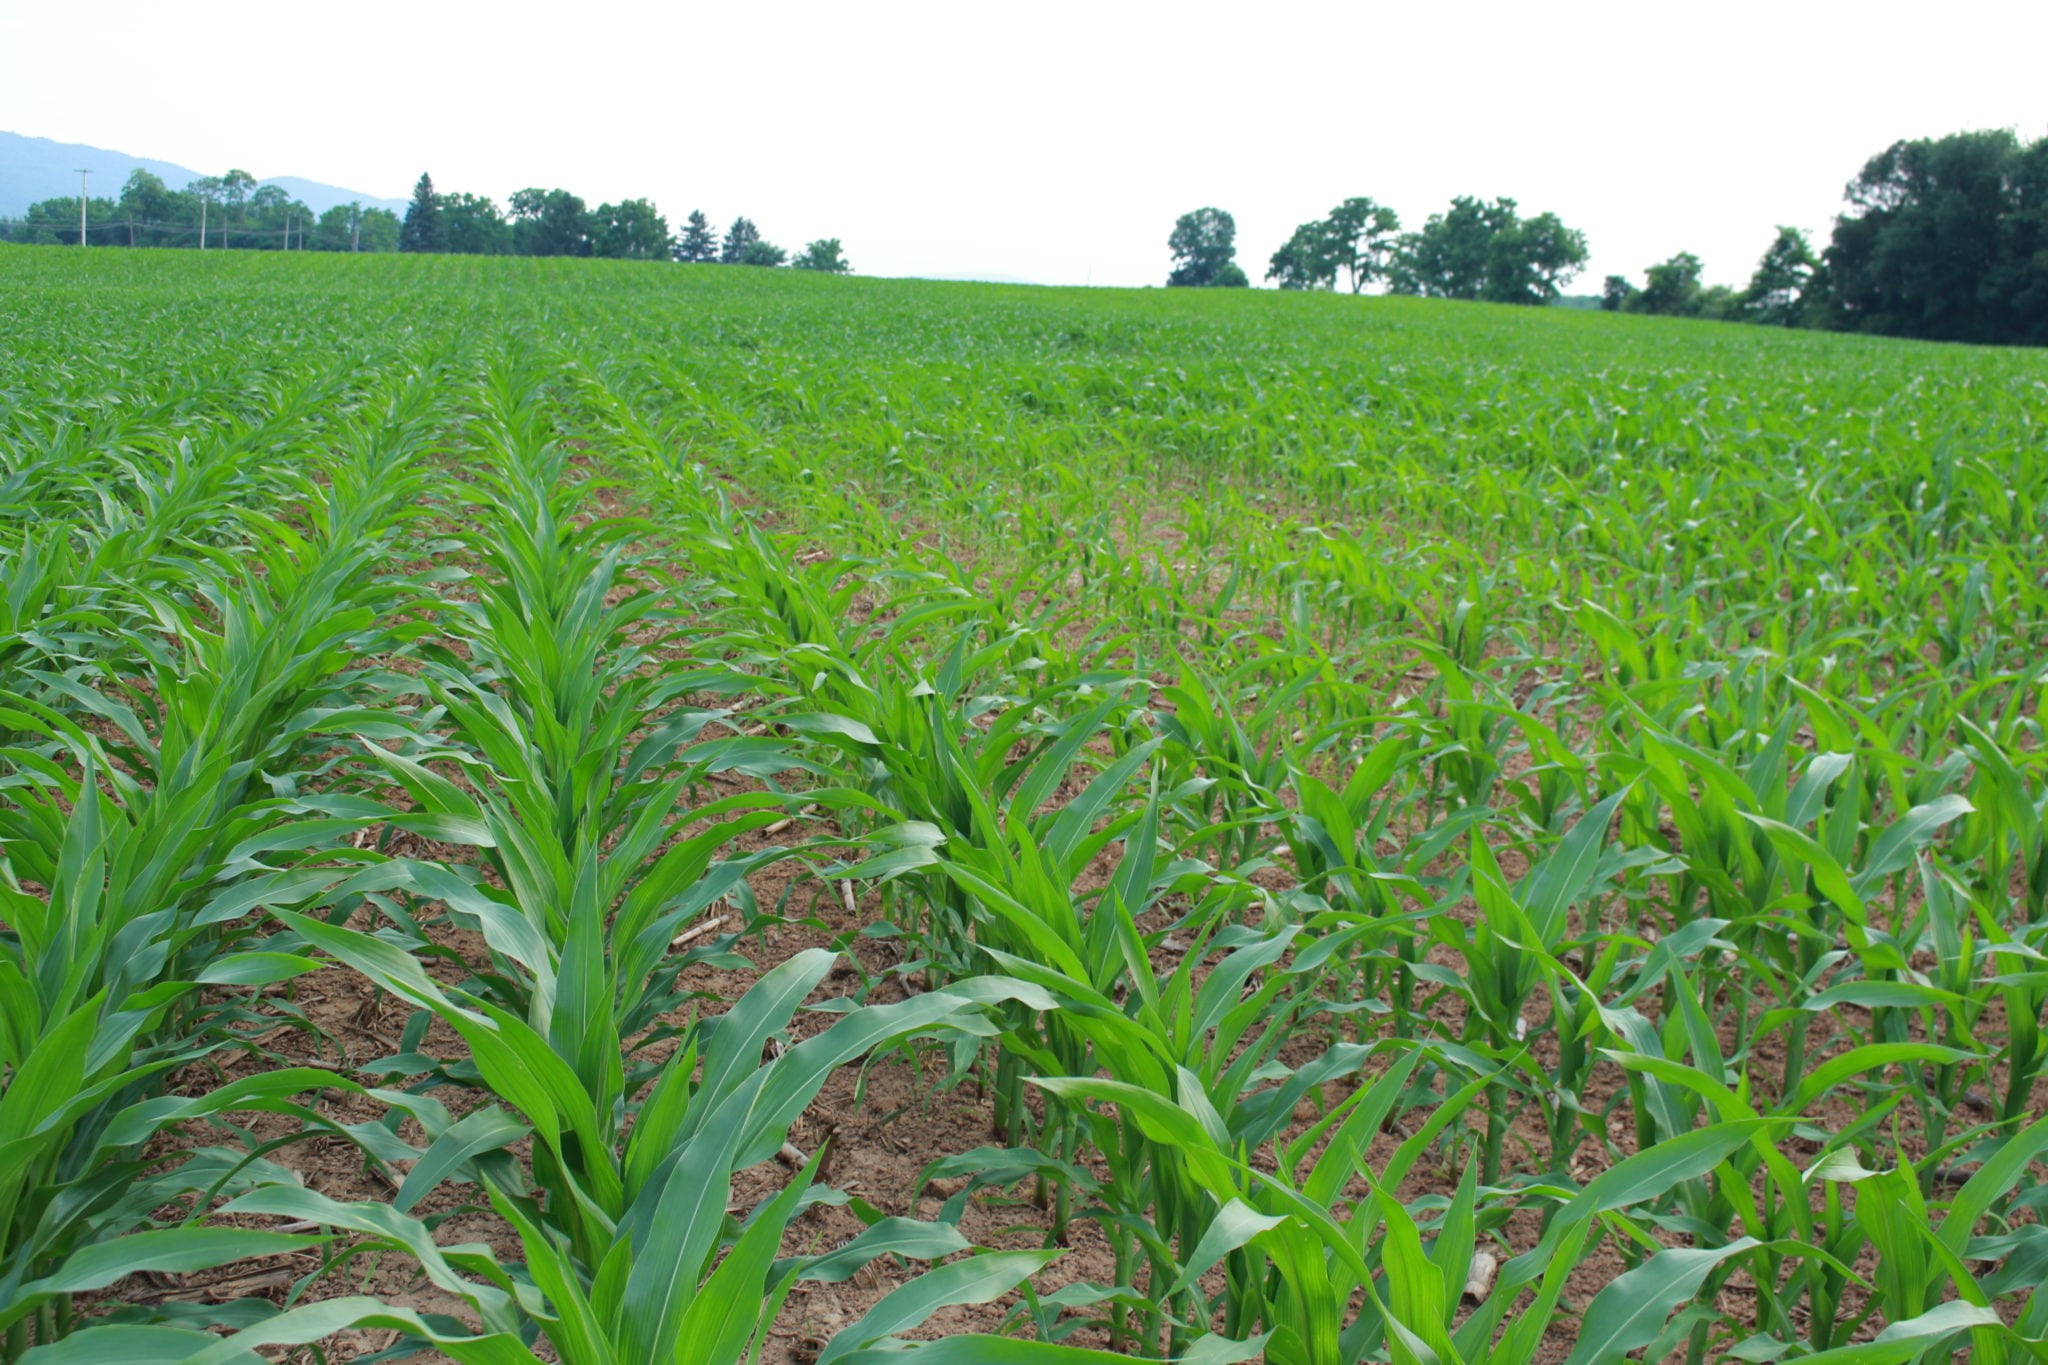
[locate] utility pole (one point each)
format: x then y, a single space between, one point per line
82 174
202 222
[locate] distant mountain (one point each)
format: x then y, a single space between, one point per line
35 168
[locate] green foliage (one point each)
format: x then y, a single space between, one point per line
698 244
1535 788
422 229
1481 250
630 231
1204 247
1946 238
741 236
824 254
1670 289
549 223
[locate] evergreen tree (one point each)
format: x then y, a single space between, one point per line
422 229
741 235
699 244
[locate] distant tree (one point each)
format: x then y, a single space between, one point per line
1307 260
1777 291
825 255
336 230
378 230
1616 292
630 231
549 223
1362 236
1533 260
472 225
1204 247
1670 289
1944 238
235 186
150 208
1481 250
1720 303
422 228
741 235
1448 257
699 244
758 252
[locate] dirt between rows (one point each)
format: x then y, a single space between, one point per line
879 1126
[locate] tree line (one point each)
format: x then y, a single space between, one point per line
229 210
1942 238
558 223
1476 249
1945 239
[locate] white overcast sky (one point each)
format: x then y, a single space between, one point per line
1053 142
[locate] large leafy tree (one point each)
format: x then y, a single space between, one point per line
549 223
1482 250
1945 238
1307 260
630 231
473 225
1204 247
698 244
1670 288
422 229
762 253
1362 236
824 255
1533 260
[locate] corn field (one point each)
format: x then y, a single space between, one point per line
553 811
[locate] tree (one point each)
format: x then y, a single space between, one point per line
741 235
1204 246
422 229
472 225
1480 250
825 255
1776 293
1670 288
1307 260
1532 260
630 231
378 231
758 252
1448 258
1361 236
1616 292
699 244
234 192
549 223
1944 238
150 208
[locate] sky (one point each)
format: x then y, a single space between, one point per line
1054 142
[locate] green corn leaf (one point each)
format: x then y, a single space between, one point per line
977 1279
1631 1311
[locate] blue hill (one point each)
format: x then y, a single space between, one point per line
35 168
